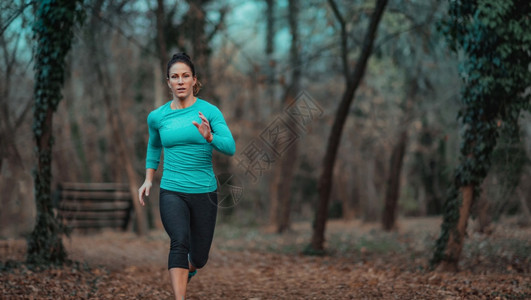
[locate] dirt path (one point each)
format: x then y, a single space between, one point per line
123 266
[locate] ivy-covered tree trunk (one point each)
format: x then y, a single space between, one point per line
53 30
495 39
456 238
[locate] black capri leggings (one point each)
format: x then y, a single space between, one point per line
189 220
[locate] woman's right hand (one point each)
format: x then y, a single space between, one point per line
144 190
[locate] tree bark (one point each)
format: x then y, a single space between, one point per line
45 245
325 182
457 237
393 182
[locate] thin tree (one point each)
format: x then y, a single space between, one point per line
194 27
53 30
392 192
194 24
494 38
10 120
274 203
352 82
283 175
161 35
269 50
114 120
410 64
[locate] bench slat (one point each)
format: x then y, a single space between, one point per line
93 206
95 195
89 206
95 223
91 186
93 215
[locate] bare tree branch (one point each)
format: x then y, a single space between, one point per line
14 17
344 50
219 25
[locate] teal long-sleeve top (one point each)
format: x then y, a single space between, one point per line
187 155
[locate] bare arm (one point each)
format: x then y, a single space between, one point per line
146 186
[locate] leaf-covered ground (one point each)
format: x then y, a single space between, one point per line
250 263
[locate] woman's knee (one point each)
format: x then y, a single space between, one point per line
198 262
180 244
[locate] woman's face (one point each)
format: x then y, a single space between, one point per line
181 80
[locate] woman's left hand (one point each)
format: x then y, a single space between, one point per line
204 128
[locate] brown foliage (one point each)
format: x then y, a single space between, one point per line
123 266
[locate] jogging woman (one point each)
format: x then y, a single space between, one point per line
187 128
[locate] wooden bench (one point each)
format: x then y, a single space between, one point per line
92 206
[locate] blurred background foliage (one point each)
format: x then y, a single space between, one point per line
242 51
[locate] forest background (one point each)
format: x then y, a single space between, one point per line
256 59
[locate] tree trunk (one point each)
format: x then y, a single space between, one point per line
481 118
457 237
270 48
287 167
350 205
283 175
392 193
280 187
132 177
344 191
114 118
45 245
200 47
274 209
160 73
195 25
325 182
370 207
161 40
393 182
483 214
274 203
525 219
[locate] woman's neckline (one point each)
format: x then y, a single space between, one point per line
184 108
